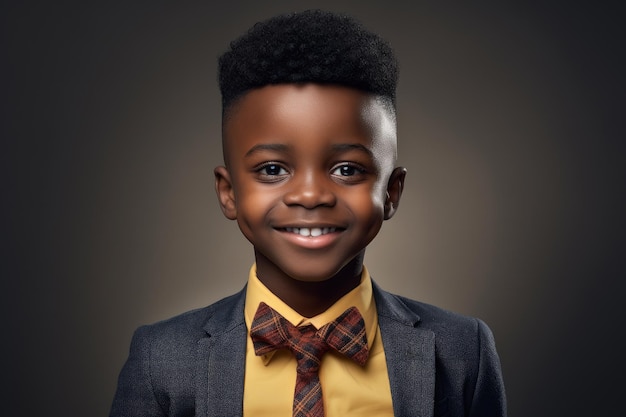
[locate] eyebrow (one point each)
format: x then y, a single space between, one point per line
352 146
279 147
267 147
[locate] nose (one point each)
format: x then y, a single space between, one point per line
310 191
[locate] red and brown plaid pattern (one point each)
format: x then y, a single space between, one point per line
346 334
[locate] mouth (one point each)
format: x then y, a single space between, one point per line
310 231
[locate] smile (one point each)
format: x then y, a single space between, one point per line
310 231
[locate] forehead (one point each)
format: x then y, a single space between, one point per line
303 112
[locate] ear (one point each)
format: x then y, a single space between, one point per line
225 192
394 191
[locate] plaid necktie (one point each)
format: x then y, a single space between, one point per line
346 334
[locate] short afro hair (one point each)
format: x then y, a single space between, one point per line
311 46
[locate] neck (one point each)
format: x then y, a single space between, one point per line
309 298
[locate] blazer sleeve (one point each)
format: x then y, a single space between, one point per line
489 397
135 395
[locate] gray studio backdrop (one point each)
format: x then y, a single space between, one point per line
505 116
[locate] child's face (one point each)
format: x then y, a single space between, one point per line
310 176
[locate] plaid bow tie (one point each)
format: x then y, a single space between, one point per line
346 334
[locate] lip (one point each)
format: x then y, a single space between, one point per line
311 239
310 231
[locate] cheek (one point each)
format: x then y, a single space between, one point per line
369 207
379 189
378 195
253 206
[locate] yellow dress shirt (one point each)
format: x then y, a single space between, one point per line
347 388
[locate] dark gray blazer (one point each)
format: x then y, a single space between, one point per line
439 363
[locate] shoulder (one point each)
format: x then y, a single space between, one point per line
191 326
440 319
422 314
468 378
468 374
164 358
455 334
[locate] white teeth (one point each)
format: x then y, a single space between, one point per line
313 232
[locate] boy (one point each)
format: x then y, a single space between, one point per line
309 141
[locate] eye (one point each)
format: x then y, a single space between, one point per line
346 171
271 172
273 169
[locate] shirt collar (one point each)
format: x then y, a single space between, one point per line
360 297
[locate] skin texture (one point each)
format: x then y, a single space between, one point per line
309 156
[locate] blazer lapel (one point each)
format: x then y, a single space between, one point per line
410 355
221 355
